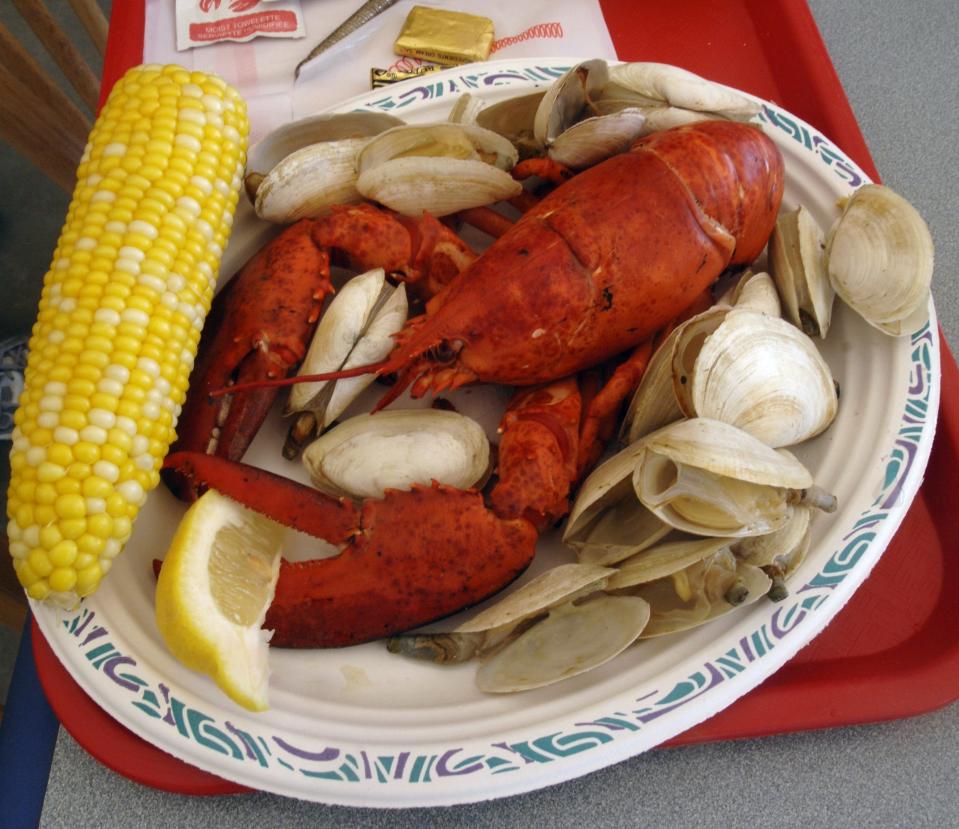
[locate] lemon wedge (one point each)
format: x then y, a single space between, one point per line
214 588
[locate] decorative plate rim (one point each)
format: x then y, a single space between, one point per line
430 774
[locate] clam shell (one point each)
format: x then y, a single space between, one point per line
375 344
277 145
439 168
465 110
559 584
656 401
708 478
763 375
620 531
606 485
368 454
697 594
880 259
439 186
754 290
595 139
567 99
513 119
442 140
678 88
781 546
798 265
653 404
689 340
309 181
339 329
574 638
663 560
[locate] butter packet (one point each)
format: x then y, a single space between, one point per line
445 37
204 22
386 77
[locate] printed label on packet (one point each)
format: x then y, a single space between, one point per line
202 22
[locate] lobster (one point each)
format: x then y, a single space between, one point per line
592 271
412 556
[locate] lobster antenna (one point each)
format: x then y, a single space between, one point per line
356 371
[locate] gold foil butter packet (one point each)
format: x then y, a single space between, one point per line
446 37
385 77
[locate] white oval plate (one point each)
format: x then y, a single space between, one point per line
361 727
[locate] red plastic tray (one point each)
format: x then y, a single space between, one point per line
894 650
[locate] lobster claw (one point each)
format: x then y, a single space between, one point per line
406 559
259 327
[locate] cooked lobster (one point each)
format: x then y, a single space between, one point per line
598 266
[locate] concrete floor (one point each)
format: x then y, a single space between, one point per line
31 215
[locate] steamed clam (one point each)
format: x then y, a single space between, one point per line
879 257
437 168
763 375
755 290
356 329
304 167
798 265
778 554
364 456
668 96
708 478
693 592
558 625
607 523
660 398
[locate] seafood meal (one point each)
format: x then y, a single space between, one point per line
648 312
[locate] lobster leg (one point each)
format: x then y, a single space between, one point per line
258 328
423 252
406 560
487 220
544 168
602 410
538 452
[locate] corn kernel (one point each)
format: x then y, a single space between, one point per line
39 561
63 579
63 553
71 505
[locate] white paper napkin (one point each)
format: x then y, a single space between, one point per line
262 69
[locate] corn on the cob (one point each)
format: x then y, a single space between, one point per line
120 315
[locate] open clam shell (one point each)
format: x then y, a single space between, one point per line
797 262
567 100
297 135
439 168
277 145
573 638
356 329
659 82
496 624
560 584
779 553
309 181
607 523
657 400
364 456
513 118
663 560
879 258
708 478
700 592
755 290
689 340
595 139
763 375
